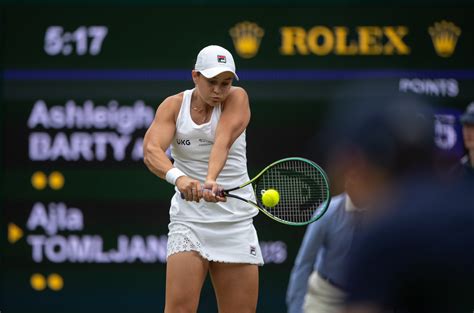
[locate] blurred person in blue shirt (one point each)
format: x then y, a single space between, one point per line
316 280
417 255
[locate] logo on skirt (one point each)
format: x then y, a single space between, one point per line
253 250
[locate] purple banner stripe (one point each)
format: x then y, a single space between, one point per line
272 75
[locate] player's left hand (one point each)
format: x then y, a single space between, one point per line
212 192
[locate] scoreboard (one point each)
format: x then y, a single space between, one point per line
84 221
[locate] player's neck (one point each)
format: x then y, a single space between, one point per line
200 108
198 105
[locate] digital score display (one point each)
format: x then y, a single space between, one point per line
85 222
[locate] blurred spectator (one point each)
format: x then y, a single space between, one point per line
316 282
382 145
466 166
366 156
417 255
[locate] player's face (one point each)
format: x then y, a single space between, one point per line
216 89
468 132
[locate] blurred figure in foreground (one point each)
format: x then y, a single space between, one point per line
365 158
466 166
317 282
417 253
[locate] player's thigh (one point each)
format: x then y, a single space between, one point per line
236 286
185 275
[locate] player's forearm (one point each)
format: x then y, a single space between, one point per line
156 160
217 160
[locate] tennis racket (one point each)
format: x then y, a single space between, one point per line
302 186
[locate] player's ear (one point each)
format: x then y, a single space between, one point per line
195 75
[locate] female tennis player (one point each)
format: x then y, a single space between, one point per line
205 127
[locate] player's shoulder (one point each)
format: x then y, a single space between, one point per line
170 107
174 100
237 89
172 103
237 92
237 96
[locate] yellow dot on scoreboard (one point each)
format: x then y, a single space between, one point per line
56 180
55 282
38 282
39 180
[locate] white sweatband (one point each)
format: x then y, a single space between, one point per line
173 174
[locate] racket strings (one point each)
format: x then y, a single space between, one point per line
302 187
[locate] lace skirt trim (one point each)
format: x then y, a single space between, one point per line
182 239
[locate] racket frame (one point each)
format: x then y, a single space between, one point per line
325 204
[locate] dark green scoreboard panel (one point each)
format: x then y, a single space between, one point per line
84 223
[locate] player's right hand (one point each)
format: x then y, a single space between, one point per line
190 188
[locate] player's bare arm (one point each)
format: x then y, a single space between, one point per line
158 138
159 135
234 120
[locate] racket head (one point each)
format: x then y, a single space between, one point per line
303 187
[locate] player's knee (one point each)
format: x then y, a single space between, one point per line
240 310
181 305
238 307
180 308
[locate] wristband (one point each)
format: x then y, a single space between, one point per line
173 174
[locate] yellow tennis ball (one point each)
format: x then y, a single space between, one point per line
270 198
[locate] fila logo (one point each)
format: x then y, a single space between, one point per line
253 250
221 59
184 142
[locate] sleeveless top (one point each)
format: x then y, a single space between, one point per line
190 149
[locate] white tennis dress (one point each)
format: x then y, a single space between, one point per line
221 231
